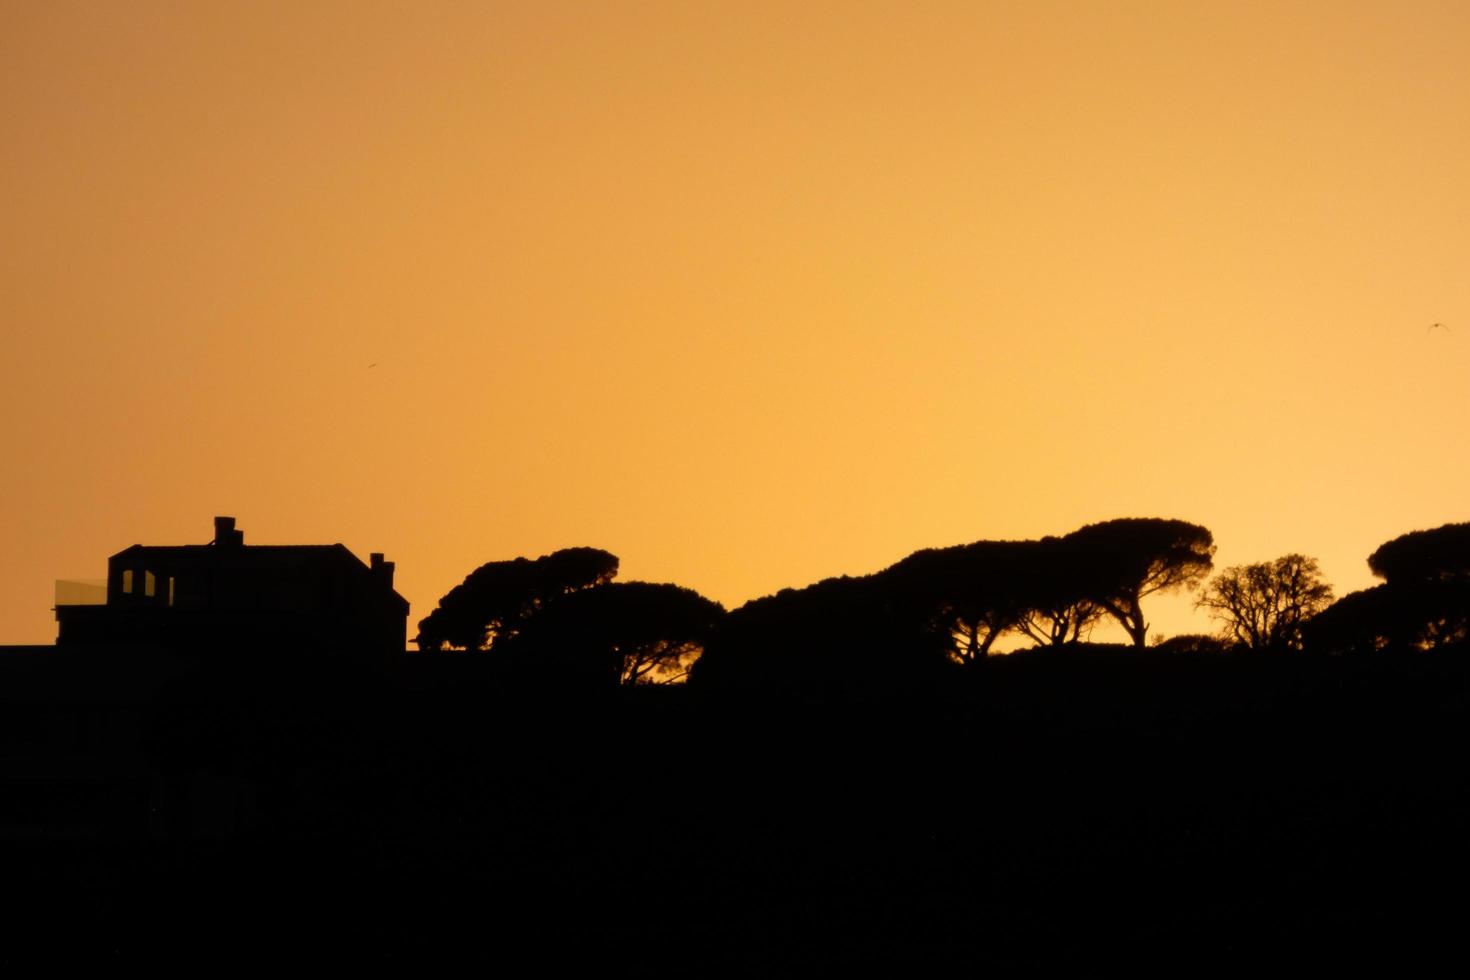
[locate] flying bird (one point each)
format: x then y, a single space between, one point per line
1436 326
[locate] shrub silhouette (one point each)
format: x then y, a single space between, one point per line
1193 644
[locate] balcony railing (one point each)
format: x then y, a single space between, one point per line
81 592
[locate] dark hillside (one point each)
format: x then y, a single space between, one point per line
1074 809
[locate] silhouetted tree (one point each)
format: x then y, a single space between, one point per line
1053 591
496 599
1264 605
1125 560
1421 556
1424 604
1421 616
856 634
951 604
1359 622
974 593
619 633
967 594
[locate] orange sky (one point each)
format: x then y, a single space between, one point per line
748 293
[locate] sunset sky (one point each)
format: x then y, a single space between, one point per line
749 294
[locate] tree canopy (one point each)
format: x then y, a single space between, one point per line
560 616
1055 591
952 604
1419 556
859 633
968 595
617 633
1265 605
1123 561
1424 616
1423 604
496 599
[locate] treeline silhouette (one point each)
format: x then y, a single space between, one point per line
849 779
1423 603
561 619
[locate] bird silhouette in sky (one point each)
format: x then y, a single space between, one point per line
1436 326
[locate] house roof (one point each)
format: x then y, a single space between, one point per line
256 557
252 553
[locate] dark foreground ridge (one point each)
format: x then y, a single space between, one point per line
1085 809
232 761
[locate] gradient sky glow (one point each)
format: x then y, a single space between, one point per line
749 294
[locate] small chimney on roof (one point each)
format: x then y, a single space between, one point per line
382 570
225 534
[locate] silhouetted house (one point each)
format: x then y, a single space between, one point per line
230 594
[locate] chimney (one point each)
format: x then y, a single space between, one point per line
225 534
382 570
